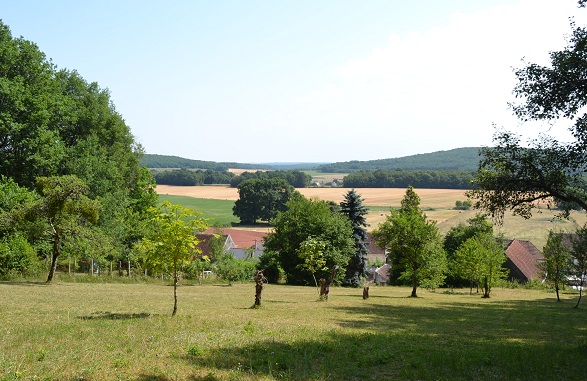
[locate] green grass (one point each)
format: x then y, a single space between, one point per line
81 331
218 211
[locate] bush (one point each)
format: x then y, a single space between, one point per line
232 269
18 258
269 263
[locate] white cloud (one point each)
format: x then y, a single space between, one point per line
435 89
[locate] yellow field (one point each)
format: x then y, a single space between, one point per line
437 203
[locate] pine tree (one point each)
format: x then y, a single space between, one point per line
352 207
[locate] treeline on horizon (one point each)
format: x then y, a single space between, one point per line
187 177
402 179
464 159
164 161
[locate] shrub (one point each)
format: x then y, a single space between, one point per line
18 258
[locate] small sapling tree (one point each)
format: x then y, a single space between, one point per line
173 242
311 253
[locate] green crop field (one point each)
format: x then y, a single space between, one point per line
218 211
113 331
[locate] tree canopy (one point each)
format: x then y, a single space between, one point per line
261 199
413 243
305 218
549 171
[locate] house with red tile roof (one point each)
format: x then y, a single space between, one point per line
241 243
523 260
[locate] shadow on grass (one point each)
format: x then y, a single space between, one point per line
519 340
26 283
104 315
156 377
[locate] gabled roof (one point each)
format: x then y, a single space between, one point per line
372 246
243 239
525 257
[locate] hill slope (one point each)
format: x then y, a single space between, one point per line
466 158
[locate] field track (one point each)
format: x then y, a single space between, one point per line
431 198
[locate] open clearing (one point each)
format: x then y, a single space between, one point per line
112 331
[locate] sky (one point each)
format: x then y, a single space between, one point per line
263 81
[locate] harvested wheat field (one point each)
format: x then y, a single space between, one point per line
430 198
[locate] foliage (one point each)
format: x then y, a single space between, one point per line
457 236
233 269
479 260
385 178
579 253
165 161
306 218
551 172
352 207
17 258
297 179
261 199
311 252
62 212
54 123
186 177
414 244
173 243
270 265
463 205
556 263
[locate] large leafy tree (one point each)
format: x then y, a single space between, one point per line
579 263
173 243
305 218
352 207
55 123
261 199
519 178
63 211
413 243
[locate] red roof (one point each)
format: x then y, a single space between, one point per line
526 257
243 239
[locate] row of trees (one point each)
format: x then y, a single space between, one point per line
297 179
402 179
186 177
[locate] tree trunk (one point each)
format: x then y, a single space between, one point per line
486 288
53 267
259 281
174 292
558 299
414 286
325 285
580 293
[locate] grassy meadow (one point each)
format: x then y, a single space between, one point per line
112 331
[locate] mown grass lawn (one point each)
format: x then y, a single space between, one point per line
89 331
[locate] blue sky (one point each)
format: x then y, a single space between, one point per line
311 81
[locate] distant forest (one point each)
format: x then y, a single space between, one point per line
163 161
402 179
452 169
458 159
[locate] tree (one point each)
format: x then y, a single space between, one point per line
579 253
311 252
413 243
352 207
306 218
261 199
511 176
173 243
457 235
62 211
556 261
479 260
